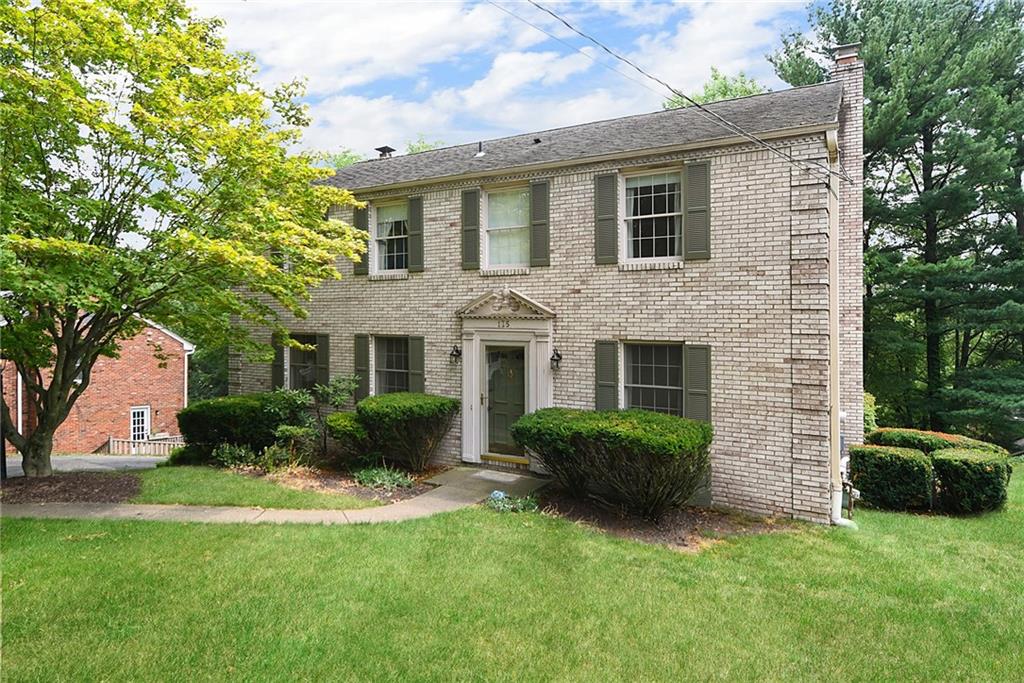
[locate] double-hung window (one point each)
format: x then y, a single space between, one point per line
508 227
654 377
302 365
654 216
392 361
391 236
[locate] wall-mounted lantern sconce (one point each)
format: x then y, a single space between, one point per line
556 359
455 355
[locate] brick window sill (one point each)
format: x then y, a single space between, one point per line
502 272
390 275
650 265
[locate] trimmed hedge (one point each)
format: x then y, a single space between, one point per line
892 478
349 435
247 420
639 461
407 427
970 481
548 433
929 441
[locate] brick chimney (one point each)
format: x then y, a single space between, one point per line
849 71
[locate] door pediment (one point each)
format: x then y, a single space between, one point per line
505 304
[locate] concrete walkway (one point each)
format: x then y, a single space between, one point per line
457 488
91 463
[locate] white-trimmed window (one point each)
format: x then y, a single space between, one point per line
391 358
508 227
139 423
653 215
391 241
653 377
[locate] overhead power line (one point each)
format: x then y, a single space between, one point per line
708 114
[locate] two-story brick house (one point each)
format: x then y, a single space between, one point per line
658 261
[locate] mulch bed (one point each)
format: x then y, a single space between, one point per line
690 529
72 487
309 479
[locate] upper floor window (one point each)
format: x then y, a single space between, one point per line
654 216
654 377
508 227
392 361
392 242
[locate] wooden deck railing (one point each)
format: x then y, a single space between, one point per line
152 447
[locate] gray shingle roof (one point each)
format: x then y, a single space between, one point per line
782 110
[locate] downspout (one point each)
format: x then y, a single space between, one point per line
834 439
21 428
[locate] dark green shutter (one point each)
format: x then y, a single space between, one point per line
606 373
697 201
277 367
323 359
471 229
540 235
361 219
362 365
697 382
415 234
606 218
416 360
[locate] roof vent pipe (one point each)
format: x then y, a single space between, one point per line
479 149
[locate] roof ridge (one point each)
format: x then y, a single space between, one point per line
675 110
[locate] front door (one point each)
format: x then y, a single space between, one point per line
506 396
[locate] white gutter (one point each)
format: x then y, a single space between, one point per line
834 433
21 429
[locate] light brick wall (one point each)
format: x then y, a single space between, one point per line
851 250
137 378
760 302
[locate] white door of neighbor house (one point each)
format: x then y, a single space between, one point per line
140 425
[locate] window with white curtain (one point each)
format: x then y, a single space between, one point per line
392 236
654 216
508 227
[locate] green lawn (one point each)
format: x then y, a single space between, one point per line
209 486
477 595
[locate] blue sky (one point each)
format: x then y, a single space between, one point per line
385 72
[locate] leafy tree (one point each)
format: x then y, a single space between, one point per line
208 373
719 87
145 172
944 228
421 144
342 158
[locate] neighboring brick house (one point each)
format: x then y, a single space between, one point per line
657 261
132 397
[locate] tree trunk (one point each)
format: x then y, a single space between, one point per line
35 459
932 316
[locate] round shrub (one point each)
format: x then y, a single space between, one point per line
407 427
231 455
642 462
928 441
349 435
970 481
547 434
892 478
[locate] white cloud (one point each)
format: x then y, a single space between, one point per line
341 45
532 83
730 36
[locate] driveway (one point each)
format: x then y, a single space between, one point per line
91 463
